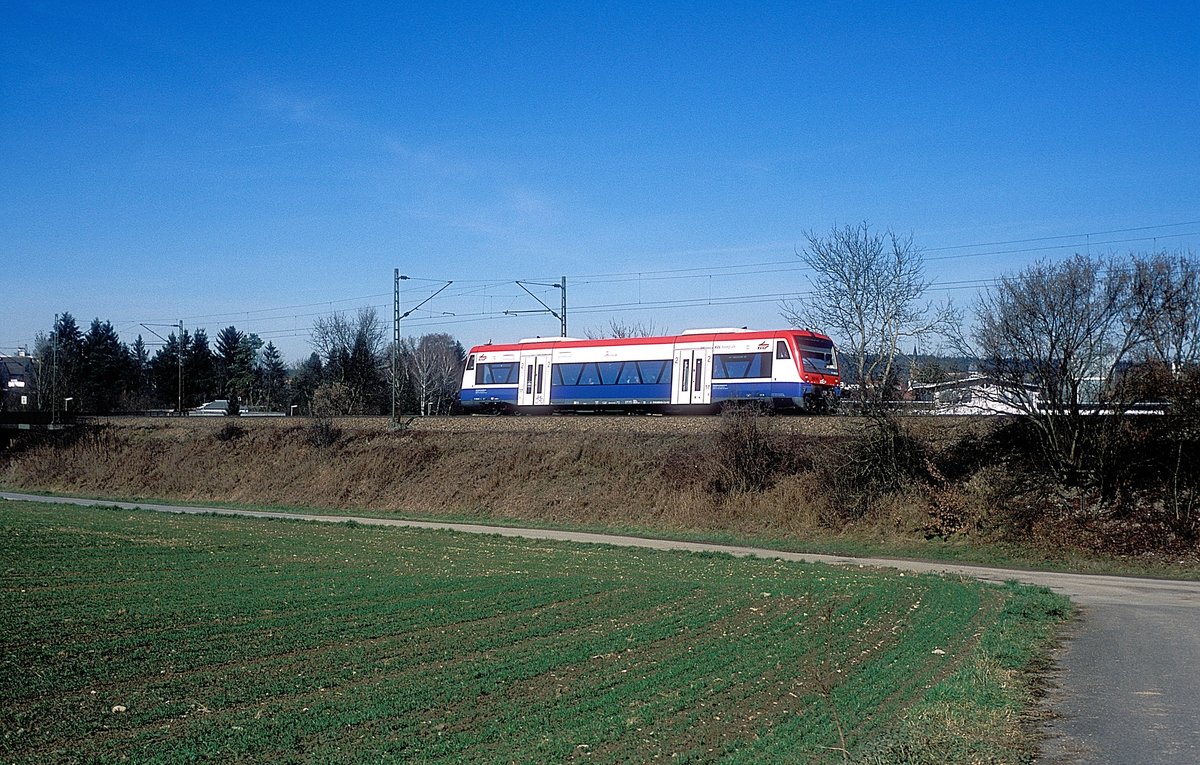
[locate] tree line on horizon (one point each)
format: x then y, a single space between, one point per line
349 372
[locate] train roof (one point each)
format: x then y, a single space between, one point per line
687 336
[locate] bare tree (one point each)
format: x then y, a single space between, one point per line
435 371
1055 338
1165 302
868 292
355 354
620 328
337 332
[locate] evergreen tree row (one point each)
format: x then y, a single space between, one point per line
350 371
96 373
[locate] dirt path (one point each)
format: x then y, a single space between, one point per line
1127 692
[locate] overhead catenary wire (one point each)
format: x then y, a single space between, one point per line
1071 236
740 269
435 319
265 322
684 302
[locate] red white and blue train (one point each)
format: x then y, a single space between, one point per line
699 371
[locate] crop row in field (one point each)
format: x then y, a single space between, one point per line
149 638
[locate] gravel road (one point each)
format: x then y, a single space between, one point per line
1126 690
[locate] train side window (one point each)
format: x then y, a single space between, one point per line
652 371
699 375
589 375
529 379
567 374
610 372
781 350
471 362
741 366
540 369
629 374
764 365
731 366
685 377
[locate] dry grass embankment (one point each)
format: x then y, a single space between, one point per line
619 471
668 475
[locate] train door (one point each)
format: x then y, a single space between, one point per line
692 376
534 381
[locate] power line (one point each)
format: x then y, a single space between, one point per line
615 307
1074 245
1084 236
281 308
622 307
739 269
718 300
1067 236
479 288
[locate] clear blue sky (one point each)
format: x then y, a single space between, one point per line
257 164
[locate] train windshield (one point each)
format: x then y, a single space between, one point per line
818 356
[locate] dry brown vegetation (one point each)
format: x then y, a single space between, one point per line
946 478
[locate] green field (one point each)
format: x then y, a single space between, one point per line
141 637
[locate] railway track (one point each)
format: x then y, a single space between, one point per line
800 425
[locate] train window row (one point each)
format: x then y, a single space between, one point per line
613 373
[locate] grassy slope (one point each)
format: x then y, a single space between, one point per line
238 640
635 475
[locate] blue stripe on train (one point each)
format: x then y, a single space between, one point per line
726 391
584 395
654 393
488 395
661 393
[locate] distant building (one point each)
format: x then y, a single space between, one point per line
974 394
17 381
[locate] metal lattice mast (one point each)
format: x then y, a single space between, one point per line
395 340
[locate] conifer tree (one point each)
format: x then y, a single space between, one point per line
274 376
104 369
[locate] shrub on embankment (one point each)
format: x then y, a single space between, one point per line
743 474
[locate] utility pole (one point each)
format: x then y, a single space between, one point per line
560 315
402 316
563 287
54 376
180 355
396 277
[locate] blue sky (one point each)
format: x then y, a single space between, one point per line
261 164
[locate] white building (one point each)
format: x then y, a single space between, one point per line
976 394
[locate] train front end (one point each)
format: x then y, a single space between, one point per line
817 365
489 384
